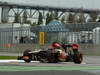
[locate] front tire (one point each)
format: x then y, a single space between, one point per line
27 56
26 59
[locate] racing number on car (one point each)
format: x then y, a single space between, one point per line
41 38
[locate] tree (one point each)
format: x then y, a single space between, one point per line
47 18
17 18
55 15
63 19
81 18
40 21
34 24
93 16
40 18
25 17
71 18
28 22
50 16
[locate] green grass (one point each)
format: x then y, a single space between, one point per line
8 57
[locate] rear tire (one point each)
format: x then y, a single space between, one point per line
26 59
78 58
53 58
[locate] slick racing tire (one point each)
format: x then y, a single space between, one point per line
53 58
26 59
78 58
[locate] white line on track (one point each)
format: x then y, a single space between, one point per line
22 61
7 61
83 63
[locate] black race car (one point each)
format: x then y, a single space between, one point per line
66 53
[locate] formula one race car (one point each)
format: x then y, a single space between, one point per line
55 53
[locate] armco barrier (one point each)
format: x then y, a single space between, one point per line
86 49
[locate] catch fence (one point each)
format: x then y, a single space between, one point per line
17 39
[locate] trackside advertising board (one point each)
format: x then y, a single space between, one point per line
41 38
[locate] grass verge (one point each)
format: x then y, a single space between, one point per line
8 57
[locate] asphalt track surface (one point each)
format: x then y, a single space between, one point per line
47 73
89 66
